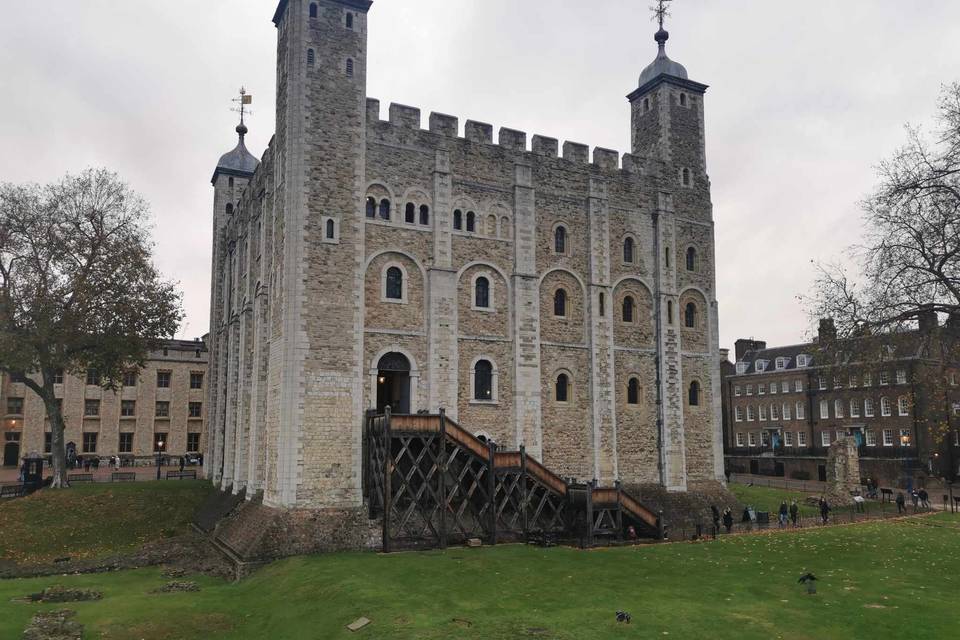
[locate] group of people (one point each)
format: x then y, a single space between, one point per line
919 497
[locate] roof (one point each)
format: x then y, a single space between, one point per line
662 69
239 161
359 5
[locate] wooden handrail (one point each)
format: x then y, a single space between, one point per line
633 505
547 477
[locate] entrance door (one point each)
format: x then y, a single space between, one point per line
754 467
11 450
393 383
822 473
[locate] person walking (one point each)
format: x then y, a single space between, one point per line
794 512
901 503
716 519
782 515
924 498
915 497
181 464
728 519
824 510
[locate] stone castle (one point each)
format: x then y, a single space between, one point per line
542 296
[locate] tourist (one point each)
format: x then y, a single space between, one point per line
901 503
728 519
924 498
782 515
716 519
794 512
824 510
181 464
23 472
915 497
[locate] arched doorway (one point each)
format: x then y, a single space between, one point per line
393 383
11 449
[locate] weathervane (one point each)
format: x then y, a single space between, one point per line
244 99
661 11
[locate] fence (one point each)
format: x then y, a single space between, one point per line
807 486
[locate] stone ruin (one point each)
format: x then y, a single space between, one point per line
843 471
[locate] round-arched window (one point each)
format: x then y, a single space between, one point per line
394 287
560 302
562 387
690 315
482 293
560 240
483 380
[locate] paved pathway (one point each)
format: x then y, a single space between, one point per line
9 475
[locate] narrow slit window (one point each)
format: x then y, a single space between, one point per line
694 395
471 221
563 387
560 240
313 9
410 213
349 67
311 57
385 209
371 207
560 303
628 250
603 311
633 391
458 220
349 20
424 214
482 297
331 228
690 315
628 309
691 259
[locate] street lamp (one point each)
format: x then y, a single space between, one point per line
159 449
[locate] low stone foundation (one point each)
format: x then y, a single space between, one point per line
683 511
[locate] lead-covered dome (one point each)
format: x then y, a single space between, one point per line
662 65
239 160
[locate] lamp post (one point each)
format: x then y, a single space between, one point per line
159 450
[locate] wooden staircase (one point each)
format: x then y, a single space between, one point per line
431 482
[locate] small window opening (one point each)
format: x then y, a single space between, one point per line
646 105
669 311
666 256
424 214
371 207
349 20
690 315
349 67
686 177
471 221
560 240
458 220
628 309
482 296
313 9
311 57
603 311
691 259
385 209
563 387
633 391
410 214
229 209
330 229
230 182
560 303
683 99
694 395
628 250
483 380
394 283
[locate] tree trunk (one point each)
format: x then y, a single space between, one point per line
58 449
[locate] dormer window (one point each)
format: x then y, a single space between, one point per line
760 365
781 363
803 360
742 368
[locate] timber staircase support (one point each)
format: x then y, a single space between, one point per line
432 482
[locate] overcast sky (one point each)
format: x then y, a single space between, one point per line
805 98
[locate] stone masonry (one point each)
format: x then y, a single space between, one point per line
584 281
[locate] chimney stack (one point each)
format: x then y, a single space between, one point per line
927 318
827 331
743 345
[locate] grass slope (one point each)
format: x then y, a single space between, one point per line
894 579
90 521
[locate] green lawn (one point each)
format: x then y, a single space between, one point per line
94 520
894 579
768 499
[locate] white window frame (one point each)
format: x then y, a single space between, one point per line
868 407
903 406
784 386
788 438
888 437
742 368
774 412
870 437
752 439
901 376
773 388
837 384
760 366
886 408
739 439
798 386
751 414
852 381
736 390
854 408
762 413
867 379
802 360
749 390
838 408
908 434
738 414
785 410
824 409
780 363
765 438
822 383
884 378
825 438
800 411
762 389
801 438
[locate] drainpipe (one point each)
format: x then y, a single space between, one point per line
658 331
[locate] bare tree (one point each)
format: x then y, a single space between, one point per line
907 273
78 289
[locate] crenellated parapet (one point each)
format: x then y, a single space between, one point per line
404 119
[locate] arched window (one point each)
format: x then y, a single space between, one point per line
563 387
691 259
331 228
424 214
471 221
560 303
230 182
683 99
669 311
686 177
560 240
458 220
410 215
603 311
385 209
371 207
693 397
633 391
506 229
628 309
482 293
311 57
349 20
349 67
229 209
483 380
313 9
394 283
628 250
690 315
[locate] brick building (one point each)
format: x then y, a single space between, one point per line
540 296
897 394
162 402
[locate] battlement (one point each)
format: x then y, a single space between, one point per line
410 118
